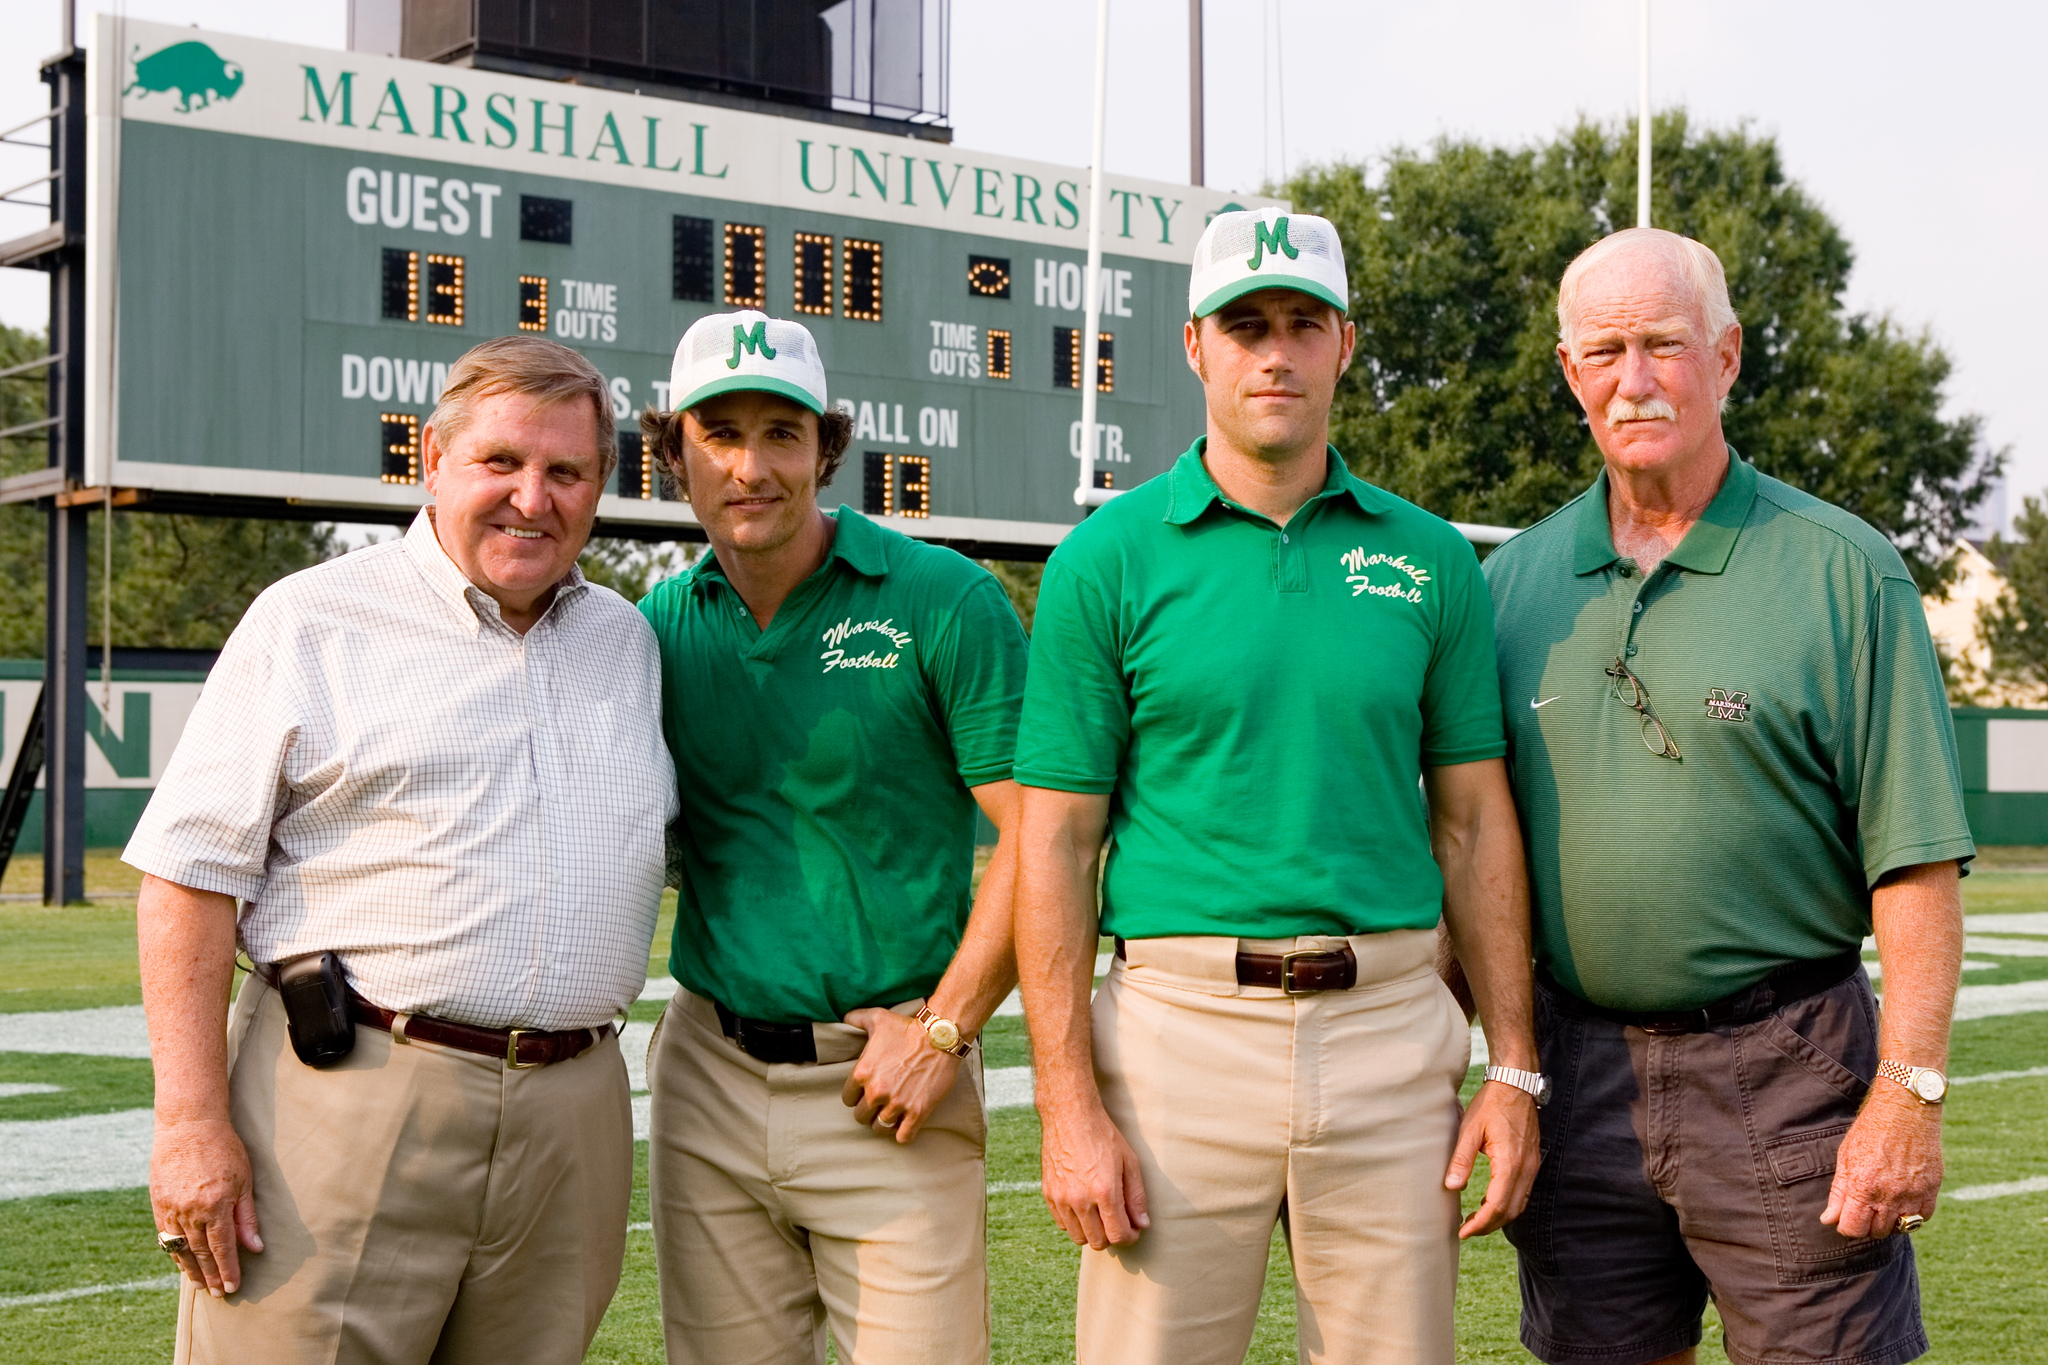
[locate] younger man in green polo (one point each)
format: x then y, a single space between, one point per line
838 699
1242 669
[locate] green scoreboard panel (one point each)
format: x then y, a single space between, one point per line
290 246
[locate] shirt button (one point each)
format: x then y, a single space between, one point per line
1639 606
1283 540
1631 651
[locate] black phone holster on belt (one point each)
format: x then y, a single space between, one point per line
315 995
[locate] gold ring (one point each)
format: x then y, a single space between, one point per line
1910 1222
172 1242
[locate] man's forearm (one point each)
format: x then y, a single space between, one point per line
1917 916
1478 845
186 943
985 967
1056 932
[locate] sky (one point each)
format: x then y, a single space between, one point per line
1917 127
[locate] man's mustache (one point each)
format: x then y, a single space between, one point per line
1621 409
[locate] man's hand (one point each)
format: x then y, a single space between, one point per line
1501 1122
1889 1165
900 1077
200 1189
1090 1174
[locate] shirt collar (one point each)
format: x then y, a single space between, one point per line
1706 546
1191 491
857 543
449 583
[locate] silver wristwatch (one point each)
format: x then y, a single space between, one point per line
1534 1082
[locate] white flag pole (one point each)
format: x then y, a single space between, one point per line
1086 494
1643 125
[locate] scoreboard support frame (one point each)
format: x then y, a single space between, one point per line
59 488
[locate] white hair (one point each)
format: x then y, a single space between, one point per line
1695 263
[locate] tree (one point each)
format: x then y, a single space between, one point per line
179 581
1456 400
2016 625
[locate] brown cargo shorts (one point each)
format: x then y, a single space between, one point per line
1681 1165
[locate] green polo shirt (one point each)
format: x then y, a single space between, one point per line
1784 647
824 764
1258 703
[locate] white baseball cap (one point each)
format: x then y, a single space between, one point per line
747 350
1267 249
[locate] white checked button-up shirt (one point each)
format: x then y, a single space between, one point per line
474 820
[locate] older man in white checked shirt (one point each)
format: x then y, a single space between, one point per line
441 760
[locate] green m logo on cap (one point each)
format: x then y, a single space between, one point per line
754 339
1274 241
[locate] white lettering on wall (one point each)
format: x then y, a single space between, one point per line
1057 284
588 311
422 203
384 378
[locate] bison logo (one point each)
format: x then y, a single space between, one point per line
190 69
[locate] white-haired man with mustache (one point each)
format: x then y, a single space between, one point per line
1733 758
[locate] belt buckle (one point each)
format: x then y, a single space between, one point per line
512 1062
1287 961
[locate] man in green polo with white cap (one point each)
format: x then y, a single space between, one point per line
1241 670
839 699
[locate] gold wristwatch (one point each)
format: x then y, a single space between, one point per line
942 1033
1923 1083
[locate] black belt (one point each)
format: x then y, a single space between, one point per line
767 1042
1793 982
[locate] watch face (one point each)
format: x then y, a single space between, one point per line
945 1034
1542 1091
1930 1085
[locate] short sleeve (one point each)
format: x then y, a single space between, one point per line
976 668
1461 721
1077 709
208 824
1902 775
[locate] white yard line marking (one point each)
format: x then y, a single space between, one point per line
2028 1074
1985 1002
1999 1191
634 1040
2033 922
639 1227
112 1031
2005 947
86 1152
1014 1187
10 1089
1007 1087
659 988
60 1295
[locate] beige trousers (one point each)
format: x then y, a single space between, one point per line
1335 1112
775 1212
418 1204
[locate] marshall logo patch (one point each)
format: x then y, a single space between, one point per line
1725 705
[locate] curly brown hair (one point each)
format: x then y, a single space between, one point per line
661 438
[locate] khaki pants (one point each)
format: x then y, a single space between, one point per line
1336 1112
775 1212
418 1204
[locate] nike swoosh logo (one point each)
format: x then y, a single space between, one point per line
1535 705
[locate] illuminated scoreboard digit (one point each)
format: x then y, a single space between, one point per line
408 211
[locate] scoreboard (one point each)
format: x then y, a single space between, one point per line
289 247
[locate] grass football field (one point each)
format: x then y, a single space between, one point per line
82 1283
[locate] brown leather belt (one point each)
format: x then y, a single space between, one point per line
517 1048
1302 972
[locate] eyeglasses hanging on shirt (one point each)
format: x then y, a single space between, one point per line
1628 689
